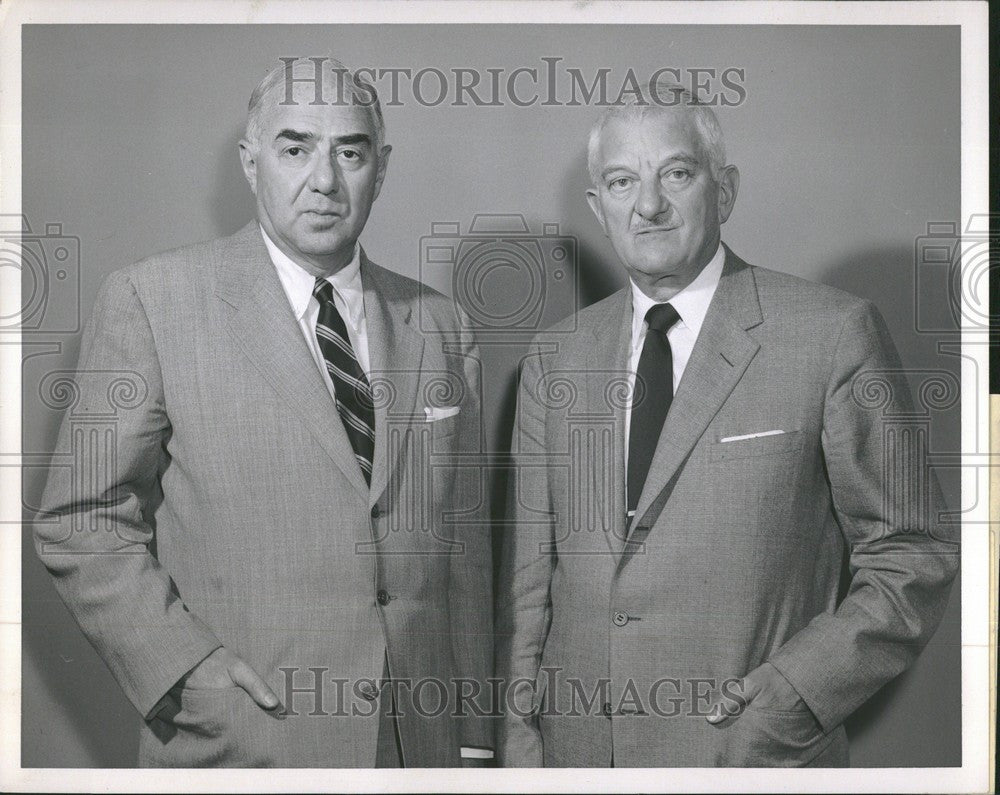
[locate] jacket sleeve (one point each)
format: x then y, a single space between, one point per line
887 502
470 595
95 528
524 606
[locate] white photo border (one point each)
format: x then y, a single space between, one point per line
978 635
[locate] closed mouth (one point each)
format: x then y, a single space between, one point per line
651 229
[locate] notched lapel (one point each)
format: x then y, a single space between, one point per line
721 355
265 329
395 350
607 373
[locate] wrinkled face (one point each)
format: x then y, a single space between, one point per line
316 174
656 198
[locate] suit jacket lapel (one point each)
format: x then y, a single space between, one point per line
719 359
395 349
265 329
607 369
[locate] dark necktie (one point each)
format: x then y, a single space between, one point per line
654 391
350 384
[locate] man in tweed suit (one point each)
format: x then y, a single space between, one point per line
264 567
693 463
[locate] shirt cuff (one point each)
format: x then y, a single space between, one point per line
469 752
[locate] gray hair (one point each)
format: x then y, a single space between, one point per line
359 92
654 99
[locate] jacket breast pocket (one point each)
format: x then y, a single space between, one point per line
756 446
443 428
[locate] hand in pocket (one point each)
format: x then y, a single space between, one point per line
767 723
222 669
765 689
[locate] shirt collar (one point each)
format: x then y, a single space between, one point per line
298 283
691 303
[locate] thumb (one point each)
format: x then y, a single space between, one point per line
247 678
722 710
733 701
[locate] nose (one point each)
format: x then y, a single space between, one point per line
323 178
651 201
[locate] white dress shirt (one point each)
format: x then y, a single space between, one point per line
348 297
691 304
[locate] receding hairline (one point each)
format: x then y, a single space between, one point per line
265 110
262 102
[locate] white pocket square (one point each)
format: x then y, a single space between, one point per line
435 413
750 436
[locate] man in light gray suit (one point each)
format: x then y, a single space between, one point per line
266 553
695 456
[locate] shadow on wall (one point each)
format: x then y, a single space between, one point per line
925 701
233 203
96 716
599 272
902 290
595 279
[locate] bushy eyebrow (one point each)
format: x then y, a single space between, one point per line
295 135
678 158
355 138
689 159
300 137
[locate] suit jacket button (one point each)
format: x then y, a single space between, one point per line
368 690
620 619
383 597
376 512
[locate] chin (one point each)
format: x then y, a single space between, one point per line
655 258
658 269
321 244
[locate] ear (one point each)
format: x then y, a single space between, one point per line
729 186
383 164
594 200
249 164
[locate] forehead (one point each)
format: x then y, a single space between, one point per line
654 135
329 118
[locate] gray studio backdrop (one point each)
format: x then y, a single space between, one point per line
848 144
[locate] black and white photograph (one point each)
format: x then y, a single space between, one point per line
455 396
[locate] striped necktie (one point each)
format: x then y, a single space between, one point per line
351 389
